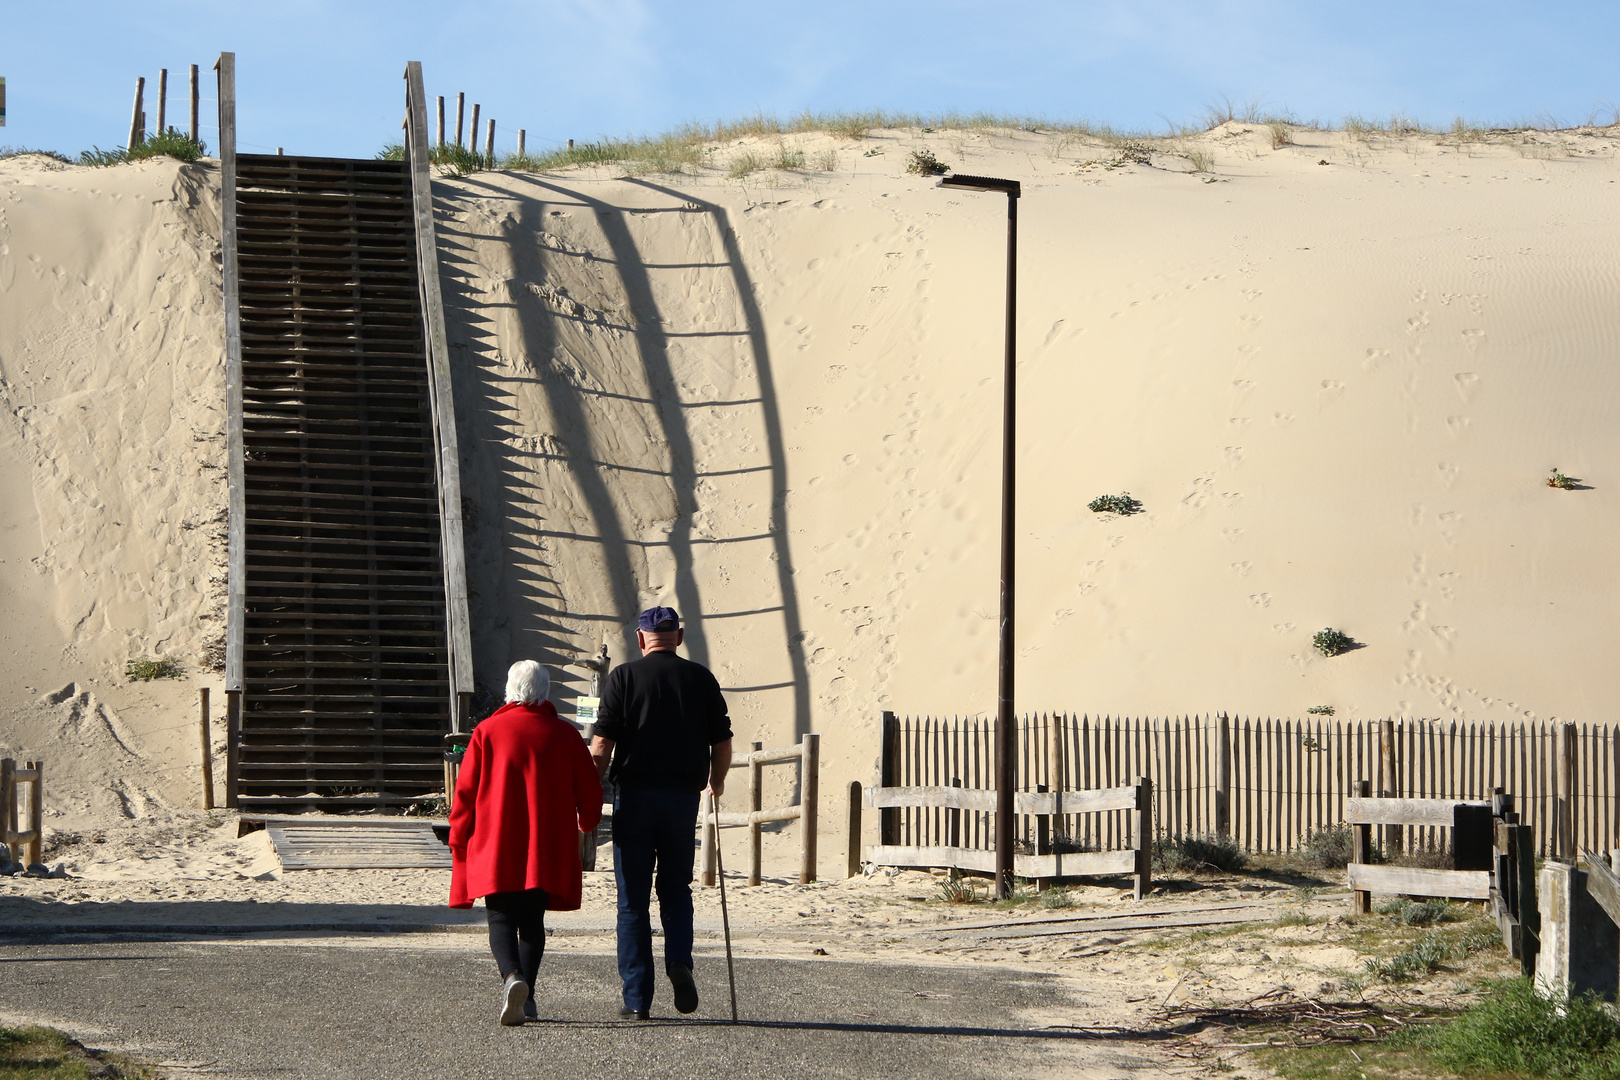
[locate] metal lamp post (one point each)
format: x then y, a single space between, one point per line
1006 739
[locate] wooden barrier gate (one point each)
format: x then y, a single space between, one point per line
807 755
1043 865
26 844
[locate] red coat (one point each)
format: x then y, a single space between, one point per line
527 789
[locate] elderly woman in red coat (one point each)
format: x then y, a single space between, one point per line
527 789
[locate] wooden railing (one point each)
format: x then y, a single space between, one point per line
1267 783
807 756
26 844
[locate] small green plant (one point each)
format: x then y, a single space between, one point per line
827 160
788 158
1282 133
1329 848
434 806
23 151
1202 161
1562 482
1515 1031
1136 153
924 163
147 668
1121 504
1423 957
1416 913
962 890
1320 710
1331 642
1055 897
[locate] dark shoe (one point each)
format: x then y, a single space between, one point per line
513 994
529 1011
627 1013
686 995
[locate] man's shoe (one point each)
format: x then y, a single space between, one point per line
529 1011
513 995
627 1013
686 995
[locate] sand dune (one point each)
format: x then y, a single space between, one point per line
774 402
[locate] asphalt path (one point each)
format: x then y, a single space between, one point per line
423 1008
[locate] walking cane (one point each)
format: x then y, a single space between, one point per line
725 918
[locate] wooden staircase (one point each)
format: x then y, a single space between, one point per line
347 655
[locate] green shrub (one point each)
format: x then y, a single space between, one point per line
1559 480
147 668
1331 642
1514 1030
1121 504
962 890
1055 897
1330 847
1185 854
1320 710
170 143
924 163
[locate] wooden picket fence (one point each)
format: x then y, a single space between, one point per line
1266 782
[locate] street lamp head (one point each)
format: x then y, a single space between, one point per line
981 183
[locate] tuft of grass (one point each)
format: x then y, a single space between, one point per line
744 164
1320 710
827 160
1056 897
1516 1031
1202 161
39 1053
147 668
1417 913
788 158
170 143
1559 480
924 163
1331 642
23 151
963 890
1282 133
1121 504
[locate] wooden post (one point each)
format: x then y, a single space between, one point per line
440 141
1361 851
8 806
194 113
1524 844
852 865
233 739
1144 836
1388 782
889 776
461 109
207 749
522 135
809 795
1223 777
1568 774
1043 838
756 796
36 815
489 144
163 100
472 132
137 115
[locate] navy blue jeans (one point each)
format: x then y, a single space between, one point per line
653 836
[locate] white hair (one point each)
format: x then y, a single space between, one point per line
526 680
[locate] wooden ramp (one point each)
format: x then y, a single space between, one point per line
356 845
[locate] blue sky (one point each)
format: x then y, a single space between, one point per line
323 77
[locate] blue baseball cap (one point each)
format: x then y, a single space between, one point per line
659 620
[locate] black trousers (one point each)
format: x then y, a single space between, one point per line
517 932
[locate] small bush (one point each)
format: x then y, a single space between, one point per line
1202 161
147 668
744 164
788 158
1320 710
1136 153
1121 504
924 163
1181 855
1421 958
1330 848
1056 898
827 160
1282 134
1559 480
1514 1030
1331 642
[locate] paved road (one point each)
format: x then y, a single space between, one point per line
421 1009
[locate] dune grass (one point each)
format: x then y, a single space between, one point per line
170 143
39 1053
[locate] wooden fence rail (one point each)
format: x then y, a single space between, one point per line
1267 782
26 844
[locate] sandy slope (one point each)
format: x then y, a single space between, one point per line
774 403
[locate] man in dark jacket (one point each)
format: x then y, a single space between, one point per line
662 734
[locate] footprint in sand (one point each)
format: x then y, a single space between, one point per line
1242 568
1260 600
1467 385
1473 339
1232 535
1332 390
1448 474
1457 425
1376 358
1234 456
1283 627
